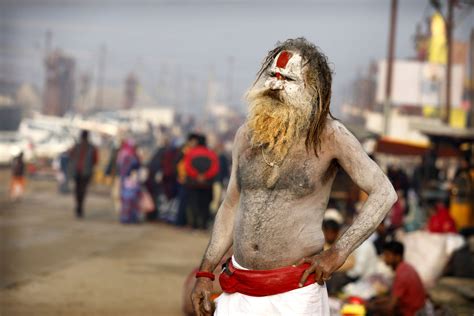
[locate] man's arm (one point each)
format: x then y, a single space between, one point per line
222 234
370 178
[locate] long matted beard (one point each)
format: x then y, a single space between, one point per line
275 124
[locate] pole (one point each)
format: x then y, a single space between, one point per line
100 78
48 43
230 81
471 77
449 39
390 54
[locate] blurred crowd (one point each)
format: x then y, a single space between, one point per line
428 235
180 183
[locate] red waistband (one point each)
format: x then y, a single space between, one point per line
262 282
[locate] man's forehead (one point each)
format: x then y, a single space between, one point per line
287 60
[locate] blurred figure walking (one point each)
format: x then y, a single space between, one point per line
128 166
17 184
83 158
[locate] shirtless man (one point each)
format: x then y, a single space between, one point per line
285 158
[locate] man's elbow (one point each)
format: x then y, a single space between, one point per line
392 195
385 193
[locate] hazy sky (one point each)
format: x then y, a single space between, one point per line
172 44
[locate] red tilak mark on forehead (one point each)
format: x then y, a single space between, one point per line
283 59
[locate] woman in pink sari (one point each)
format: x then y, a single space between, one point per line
128 165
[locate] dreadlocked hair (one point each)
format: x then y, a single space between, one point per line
318 78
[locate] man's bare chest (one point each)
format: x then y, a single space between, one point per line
300 173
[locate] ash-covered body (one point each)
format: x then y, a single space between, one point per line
276 226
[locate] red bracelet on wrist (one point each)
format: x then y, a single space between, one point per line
205 274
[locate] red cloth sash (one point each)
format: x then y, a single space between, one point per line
262 282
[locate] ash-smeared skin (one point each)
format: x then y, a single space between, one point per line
368 176
276 227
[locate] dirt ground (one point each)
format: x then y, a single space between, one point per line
53 264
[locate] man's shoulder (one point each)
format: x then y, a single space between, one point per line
336 134
242 134
335 127
242 130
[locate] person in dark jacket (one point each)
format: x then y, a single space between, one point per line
152 183
83 158
162 176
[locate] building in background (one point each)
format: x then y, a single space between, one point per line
59 88
131 85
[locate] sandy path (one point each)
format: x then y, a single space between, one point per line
52 264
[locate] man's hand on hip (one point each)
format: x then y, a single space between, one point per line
201 297
322 265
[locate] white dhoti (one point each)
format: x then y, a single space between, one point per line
309 300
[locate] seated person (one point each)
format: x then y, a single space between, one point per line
440 220
461 264
408 295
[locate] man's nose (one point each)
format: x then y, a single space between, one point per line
275 84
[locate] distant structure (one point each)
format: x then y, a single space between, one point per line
59 88
131 84
364 89
10 115
82 92
16 101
